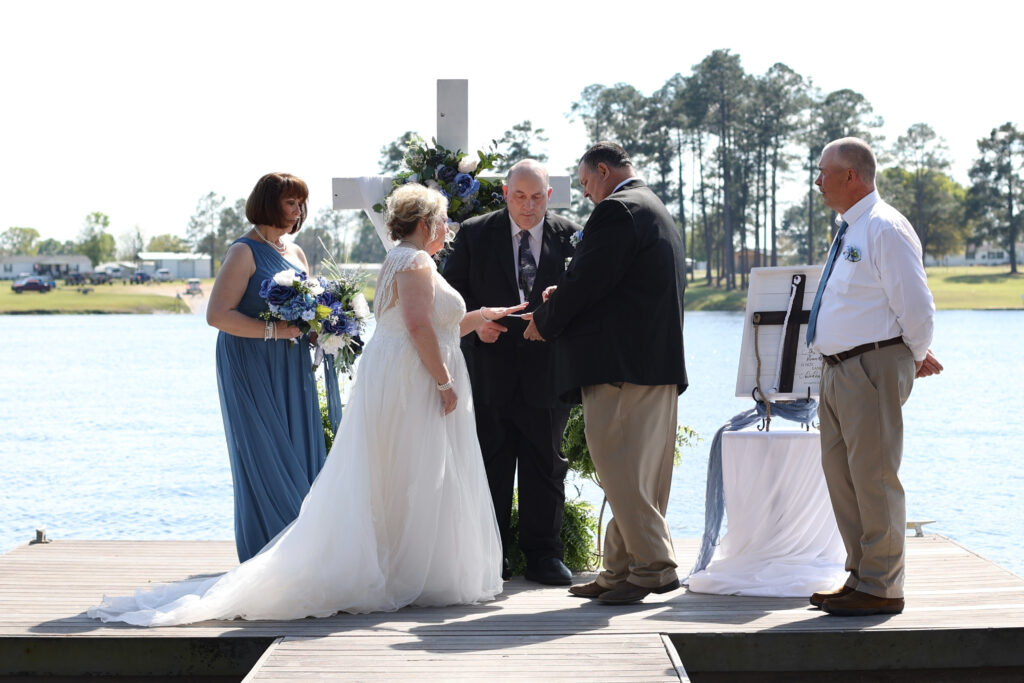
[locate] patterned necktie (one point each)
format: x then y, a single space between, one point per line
832 253
527 265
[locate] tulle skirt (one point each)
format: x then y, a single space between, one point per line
400 514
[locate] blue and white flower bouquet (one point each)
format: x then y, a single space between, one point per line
334 310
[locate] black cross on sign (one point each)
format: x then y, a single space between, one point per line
791 335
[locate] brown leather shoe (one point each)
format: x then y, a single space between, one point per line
860 604
588 590
818 598
627 593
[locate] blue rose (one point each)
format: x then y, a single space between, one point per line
466 185
327 298
446 174
275 294
341 324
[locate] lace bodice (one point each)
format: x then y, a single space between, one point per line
449 308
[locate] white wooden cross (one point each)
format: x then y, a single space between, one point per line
452 133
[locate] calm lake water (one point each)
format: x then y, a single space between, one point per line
110 427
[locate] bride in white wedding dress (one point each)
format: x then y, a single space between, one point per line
401 513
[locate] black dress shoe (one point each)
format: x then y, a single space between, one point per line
506 571
550 571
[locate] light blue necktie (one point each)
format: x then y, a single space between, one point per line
832 253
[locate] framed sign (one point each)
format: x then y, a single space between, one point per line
774 329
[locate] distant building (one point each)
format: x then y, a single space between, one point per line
117 269
181 266
986 254
57 266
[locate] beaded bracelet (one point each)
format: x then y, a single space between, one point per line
447 385
269 331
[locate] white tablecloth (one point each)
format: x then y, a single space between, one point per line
781 537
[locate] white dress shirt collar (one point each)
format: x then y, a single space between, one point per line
536 237
627 180
860 208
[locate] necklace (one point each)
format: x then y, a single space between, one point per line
279 249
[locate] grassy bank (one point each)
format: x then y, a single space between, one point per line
967 287
976 287
113 298
964 287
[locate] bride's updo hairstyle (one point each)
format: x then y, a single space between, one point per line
410 204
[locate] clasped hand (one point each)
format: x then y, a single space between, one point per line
531 332
928 367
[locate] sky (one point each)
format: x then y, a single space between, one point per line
138 109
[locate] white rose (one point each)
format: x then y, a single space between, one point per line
286 278
331 343
315 288
468 164
360 307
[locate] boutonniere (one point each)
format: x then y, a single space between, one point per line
851 253
576 238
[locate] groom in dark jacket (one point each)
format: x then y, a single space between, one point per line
616 320
505 258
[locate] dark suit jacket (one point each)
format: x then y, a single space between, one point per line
482 268
618 313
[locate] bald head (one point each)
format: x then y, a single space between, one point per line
531 167
526 192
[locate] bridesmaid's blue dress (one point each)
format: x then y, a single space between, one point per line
268 397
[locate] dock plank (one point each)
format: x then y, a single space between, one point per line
45 589
601 657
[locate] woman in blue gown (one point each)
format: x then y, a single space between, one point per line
268 392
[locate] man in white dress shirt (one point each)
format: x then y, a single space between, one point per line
872 322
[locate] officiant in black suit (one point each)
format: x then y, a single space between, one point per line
616 320
504 258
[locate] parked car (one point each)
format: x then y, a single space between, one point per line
141 277
31 284
74 279
99 278
194 286
163 275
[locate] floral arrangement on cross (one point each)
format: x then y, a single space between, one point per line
454 174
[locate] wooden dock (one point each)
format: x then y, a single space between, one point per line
964 614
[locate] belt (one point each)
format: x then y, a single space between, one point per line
857 350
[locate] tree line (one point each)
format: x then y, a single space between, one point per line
716 145
93 241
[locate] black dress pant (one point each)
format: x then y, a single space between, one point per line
530 438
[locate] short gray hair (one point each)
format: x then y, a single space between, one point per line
856 154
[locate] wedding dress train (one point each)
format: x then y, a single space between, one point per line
400 514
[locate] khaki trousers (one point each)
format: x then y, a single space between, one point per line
631 434
861 416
